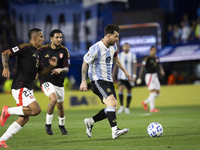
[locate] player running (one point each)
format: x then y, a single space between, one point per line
52 84
28 65
129 61
152 65
100 58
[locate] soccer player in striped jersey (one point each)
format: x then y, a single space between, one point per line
100 58
129 61
28 64
152 65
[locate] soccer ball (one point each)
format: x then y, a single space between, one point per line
155 129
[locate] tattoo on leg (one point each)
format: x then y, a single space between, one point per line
50 108
59 107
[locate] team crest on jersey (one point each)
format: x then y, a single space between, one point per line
112 51
34 55
61 55
157 60
15 49
88 55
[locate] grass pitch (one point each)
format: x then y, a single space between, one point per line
180 124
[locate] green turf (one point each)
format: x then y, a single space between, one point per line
180 124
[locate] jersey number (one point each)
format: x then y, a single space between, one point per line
27 93
108 59
46 86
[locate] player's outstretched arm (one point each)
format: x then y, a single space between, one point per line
83 86
59 70
161 70
134 72
52 62
118 63
139 80
5 59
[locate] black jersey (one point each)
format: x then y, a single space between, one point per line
151 64
28 65
62 54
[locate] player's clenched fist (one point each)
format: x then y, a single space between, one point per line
53 61
83 86
6 73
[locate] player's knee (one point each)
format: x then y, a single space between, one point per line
113 103
26 119
54 101
36 111
59 105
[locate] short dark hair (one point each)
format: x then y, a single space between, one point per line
109 29
126 44
153 46
55 31
30 33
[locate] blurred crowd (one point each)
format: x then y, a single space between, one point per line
8 36
8 39
178 77
186 31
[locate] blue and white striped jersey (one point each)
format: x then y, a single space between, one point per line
127 61
100 60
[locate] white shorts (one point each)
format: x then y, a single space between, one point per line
152 81
23 96
48 88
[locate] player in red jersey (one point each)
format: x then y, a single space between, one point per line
52 84
28 65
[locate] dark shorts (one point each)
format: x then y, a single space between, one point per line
126 83
103 89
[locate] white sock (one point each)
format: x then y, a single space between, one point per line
16 111
61 121
91 120
157 95
151 96
12 130
49 119
152 101
114 128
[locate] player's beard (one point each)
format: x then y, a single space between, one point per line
112 43
126 51
57 45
